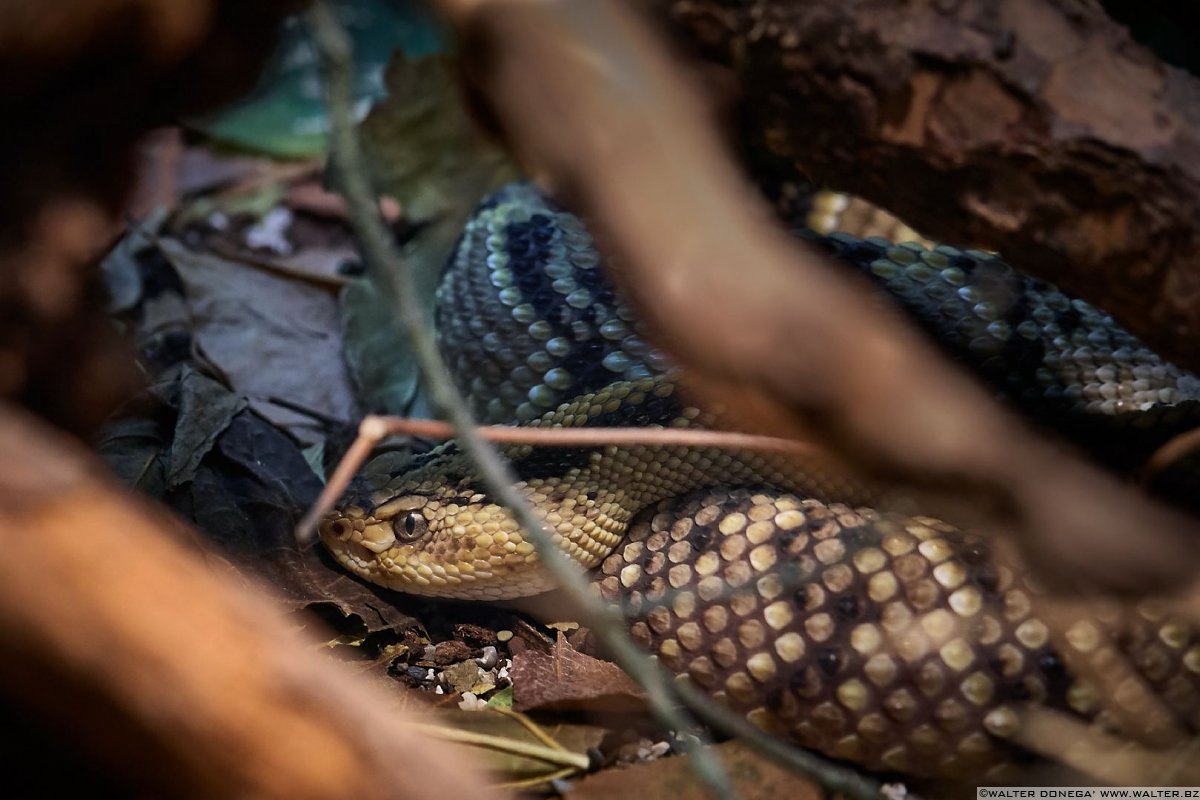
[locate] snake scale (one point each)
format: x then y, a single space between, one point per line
898 642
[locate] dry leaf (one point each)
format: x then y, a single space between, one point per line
270 336
569 680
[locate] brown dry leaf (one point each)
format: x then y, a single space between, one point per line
244 484
203 170
270 336
311 196
566 679
753 777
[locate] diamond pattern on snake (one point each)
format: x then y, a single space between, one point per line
898 642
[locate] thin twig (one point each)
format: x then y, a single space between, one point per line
538 780
374 429
1170 453
398 283
1062 738
834 778
323 280
525 722
341 477
379 427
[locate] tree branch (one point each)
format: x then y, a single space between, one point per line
1034 127
590 103
184 681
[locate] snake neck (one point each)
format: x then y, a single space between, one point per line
434 530
589 496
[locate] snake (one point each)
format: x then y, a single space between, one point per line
895 641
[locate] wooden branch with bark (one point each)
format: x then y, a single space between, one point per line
1037 128
1033 126
185 682
592 104
122 644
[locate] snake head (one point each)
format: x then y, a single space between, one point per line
435 540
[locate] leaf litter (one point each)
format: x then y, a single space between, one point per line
263 344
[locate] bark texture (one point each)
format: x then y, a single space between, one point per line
179 679
1034 127
591 103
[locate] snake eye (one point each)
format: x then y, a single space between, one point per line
411 526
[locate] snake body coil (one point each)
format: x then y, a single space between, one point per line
897 642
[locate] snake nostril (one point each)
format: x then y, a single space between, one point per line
340 528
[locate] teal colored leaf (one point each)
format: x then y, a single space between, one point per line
285 115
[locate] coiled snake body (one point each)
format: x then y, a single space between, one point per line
898 642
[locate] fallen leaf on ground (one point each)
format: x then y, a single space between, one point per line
269 336
426 151
244 484
206 409
122 274
566 679
376 351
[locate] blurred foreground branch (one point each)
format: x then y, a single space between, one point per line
67 167
497 475
183 681
1034 127
593 106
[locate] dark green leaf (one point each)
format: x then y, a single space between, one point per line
205 409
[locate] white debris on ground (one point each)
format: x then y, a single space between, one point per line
470 702
270 232
643 749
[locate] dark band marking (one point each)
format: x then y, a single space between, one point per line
552 462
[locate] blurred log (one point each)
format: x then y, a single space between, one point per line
591 103
185 683
80 81
1034 127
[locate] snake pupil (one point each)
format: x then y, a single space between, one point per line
411 526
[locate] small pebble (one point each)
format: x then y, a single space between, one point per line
489 658
470 702
504 636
